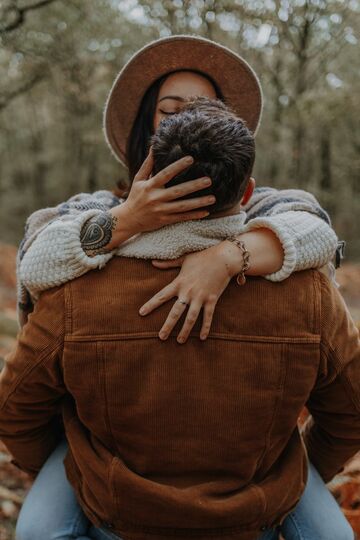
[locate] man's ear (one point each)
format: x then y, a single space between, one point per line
248 191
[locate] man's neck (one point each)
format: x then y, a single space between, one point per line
229 212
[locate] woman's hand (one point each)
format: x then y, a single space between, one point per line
150 205
202 279
204 276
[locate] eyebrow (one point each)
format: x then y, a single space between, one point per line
177 98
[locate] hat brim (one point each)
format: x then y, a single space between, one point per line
236 79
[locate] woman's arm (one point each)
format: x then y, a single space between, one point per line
204 276
299 223
51 252
286 231
67 241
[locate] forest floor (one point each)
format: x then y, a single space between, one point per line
14 484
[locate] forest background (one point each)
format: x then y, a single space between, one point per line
58 59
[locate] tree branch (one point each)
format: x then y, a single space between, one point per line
20 14
38 5
5 100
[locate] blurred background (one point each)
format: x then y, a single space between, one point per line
58 59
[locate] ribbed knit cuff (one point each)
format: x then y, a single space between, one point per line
289 262
56 256
78 257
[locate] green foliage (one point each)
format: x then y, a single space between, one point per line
58 59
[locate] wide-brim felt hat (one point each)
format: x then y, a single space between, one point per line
235 77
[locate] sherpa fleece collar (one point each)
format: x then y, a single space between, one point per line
175 240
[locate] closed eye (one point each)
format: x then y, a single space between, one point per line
168 113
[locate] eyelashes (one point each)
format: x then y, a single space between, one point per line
168 113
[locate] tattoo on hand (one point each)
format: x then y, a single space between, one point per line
96 233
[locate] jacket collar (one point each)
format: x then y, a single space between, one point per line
175 240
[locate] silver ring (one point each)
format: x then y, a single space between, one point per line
181 302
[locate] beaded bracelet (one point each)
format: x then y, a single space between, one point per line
240 278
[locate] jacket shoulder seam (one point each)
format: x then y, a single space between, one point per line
316 326
68 322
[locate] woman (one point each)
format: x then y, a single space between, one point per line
288 231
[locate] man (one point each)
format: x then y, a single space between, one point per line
200 440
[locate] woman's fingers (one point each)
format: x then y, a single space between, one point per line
158 299
163 176
209 309
185 188
175 263
190 320
175 313
145 170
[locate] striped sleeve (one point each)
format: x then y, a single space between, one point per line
50 253
302 226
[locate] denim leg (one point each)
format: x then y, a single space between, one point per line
271 534
50 510
97 533
317 514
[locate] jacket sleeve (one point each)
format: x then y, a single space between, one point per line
50 253
302 226
31 386
332 433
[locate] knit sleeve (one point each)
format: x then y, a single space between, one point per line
56 256
50 253
302 226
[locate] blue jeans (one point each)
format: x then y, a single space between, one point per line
51 511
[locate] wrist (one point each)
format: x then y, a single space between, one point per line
232 256
240 278
125 228
267 254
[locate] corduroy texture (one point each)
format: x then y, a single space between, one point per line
197 440
237 80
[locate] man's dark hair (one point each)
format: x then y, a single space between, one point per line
222 146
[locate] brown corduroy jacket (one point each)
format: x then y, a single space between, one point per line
201 439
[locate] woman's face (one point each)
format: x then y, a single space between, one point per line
176 91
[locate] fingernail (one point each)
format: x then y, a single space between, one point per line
162 335
180 340
207 181
203 337
189 159
142 311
